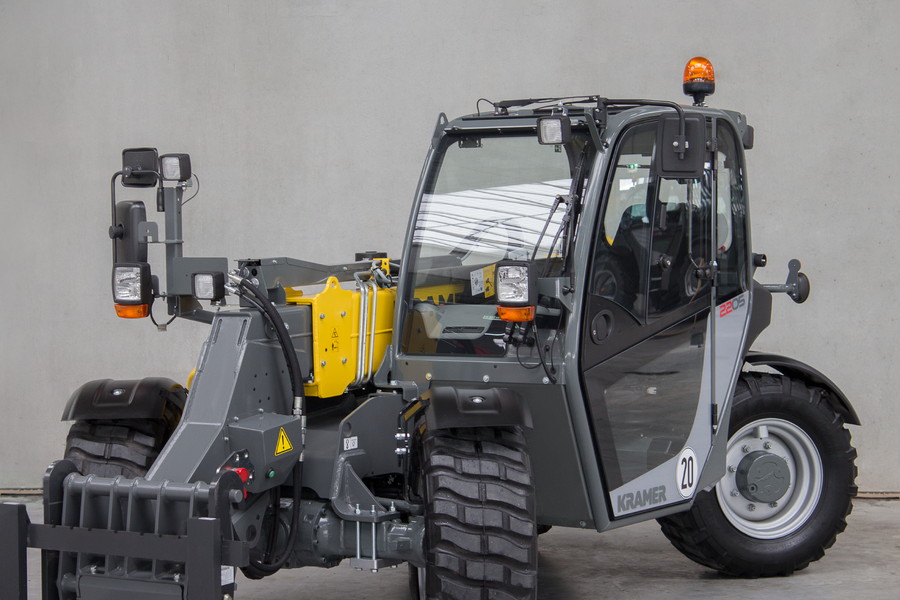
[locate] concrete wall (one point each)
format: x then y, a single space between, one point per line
308 121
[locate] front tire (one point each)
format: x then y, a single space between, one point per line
480 530
126 447
788 489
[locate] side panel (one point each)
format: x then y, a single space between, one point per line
645 409
241 372
561 494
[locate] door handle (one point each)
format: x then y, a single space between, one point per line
602 326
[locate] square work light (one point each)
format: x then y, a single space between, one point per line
175 167
208 286
554 130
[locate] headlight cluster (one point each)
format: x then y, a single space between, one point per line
132 290
516 291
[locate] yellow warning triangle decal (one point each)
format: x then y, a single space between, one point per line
284 444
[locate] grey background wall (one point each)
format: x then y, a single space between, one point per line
308 121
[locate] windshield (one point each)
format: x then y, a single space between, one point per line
487 199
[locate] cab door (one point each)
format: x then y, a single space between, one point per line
645 358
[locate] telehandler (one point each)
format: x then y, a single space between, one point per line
565 341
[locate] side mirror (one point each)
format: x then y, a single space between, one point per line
796 286
677 156
139 167
129 248
801 289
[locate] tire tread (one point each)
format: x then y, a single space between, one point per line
112 448
480 526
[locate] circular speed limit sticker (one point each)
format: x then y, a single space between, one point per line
686 473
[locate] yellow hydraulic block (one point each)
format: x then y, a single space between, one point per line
336 335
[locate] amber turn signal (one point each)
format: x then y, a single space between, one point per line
516 314
132 311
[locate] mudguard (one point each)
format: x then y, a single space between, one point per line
798 370
449 407
148 398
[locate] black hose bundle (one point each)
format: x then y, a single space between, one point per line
259 569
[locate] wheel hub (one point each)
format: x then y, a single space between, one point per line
763 477
773 481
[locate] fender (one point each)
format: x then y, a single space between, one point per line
448 407
798 370
148 398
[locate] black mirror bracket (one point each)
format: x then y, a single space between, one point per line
796 286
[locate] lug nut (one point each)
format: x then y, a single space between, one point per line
774 504
767 445
732 469
745 449
751 507
734 493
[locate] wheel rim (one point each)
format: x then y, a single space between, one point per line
789 513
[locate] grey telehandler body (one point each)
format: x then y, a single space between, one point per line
564 341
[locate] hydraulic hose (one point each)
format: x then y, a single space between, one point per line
271 314
284 339
269 568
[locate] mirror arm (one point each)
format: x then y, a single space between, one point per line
115 231
791 287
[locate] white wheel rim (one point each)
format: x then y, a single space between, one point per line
771 521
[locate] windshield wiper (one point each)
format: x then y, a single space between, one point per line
570 200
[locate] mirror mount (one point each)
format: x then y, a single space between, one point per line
796 286
681 147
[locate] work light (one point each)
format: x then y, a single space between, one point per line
208 286
175 167
554 130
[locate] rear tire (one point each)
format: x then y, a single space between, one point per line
480 530
126 447
726 531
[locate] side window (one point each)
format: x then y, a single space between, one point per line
623 237
731 213
681 243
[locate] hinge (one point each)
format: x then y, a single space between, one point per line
707 272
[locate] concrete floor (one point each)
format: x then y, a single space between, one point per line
634 562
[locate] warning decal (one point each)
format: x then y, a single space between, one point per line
476 278
489 280
284 444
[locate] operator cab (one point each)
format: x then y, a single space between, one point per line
622 226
